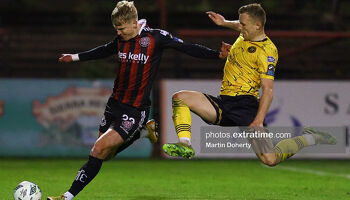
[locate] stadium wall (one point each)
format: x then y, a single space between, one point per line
55 118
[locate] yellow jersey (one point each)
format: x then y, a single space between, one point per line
247 63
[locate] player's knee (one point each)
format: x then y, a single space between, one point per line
180 95
184 96
99 151
269 160
270 163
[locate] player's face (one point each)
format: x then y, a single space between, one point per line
249 26
127 30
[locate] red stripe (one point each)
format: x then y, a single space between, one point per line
146 72
121 71
133 73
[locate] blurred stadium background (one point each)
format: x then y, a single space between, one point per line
52 110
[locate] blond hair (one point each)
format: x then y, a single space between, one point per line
255 11
124 12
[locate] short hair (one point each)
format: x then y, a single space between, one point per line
255 11
124 12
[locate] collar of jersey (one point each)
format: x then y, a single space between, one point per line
143 24
263 40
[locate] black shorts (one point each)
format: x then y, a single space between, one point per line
234 111
125 119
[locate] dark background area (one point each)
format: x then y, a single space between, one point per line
33 34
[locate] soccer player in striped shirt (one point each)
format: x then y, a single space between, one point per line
139 50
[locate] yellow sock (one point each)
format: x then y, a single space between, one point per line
182 119
288 147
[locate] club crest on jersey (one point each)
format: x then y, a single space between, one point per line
145 41
251 49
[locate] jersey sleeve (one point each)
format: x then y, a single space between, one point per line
195 50
267 64
99 52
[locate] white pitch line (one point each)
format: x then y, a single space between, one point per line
310 171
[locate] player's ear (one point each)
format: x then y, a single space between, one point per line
134 23
258 25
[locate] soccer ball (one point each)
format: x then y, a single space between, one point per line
27 191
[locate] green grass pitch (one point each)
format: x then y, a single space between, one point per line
184 179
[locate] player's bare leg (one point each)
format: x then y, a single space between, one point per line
183 103
148 131
104 146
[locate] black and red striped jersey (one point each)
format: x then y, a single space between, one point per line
139 59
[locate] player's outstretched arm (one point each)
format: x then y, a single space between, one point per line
221 21
99 52
195 50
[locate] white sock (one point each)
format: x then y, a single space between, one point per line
68 196
143 132
185 140
310 139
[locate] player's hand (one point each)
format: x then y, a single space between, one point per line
65 58
225 47
225 50
216 18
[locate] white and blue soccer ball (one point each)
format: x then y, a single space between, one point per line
26 190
